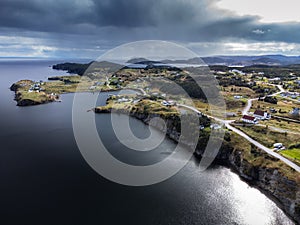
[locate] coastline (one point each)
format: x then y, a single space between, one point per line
267 180
256 176
45 98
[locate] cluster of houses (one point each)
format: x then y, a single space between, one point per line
125 99
257 115
36 87
275 79
168 103
158 95
235 71
293 95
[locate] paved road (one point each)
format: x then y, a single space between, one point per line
280 88
143 91
257 144
107 82
264 148
248 106
246 110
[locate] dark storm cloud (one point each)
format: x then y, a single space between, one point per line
52 15
90 23
189 20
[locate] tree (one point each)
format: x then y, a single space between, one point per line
270 99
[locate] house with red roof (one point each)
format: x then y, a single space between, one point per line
249 119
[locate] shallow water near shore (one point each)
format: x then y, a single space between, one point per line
45 180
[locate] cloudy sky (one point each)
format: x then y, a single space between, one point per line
88 28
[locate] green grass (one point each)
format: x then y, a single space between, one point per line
293 154
258 158
36 97
291 126
145 106
64 84
268 138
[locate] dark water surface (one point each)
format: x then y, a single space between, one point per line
45 180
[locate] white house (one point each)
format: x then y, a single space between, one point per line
238 97
215 126
237 71
249 119
261 115
278 145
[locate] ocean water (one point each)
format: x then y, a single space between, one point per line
45 180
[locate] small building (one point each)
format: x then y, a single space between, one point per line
123 100
201 127
261 115
275 79
238 97
237 71
278 145
215 126
249 119
295 112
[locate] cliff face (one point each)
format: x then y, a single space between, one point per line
280 188
171 127
21 101
285 191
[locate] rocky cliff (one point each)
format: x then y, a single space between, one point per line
276 180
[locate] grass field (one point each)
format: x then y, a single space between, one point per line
63 84
259 158
37 97
243 91
267 137
290 126
293 154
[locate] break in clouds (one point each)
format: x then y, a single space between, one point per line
91 26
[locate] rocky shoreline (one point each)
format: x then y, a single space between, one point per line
282 190
23 101
46 98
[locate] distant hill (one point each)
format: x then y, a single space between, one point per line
262 61
270 60
80 69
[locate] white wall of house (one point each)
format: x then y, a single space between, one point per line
249 121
